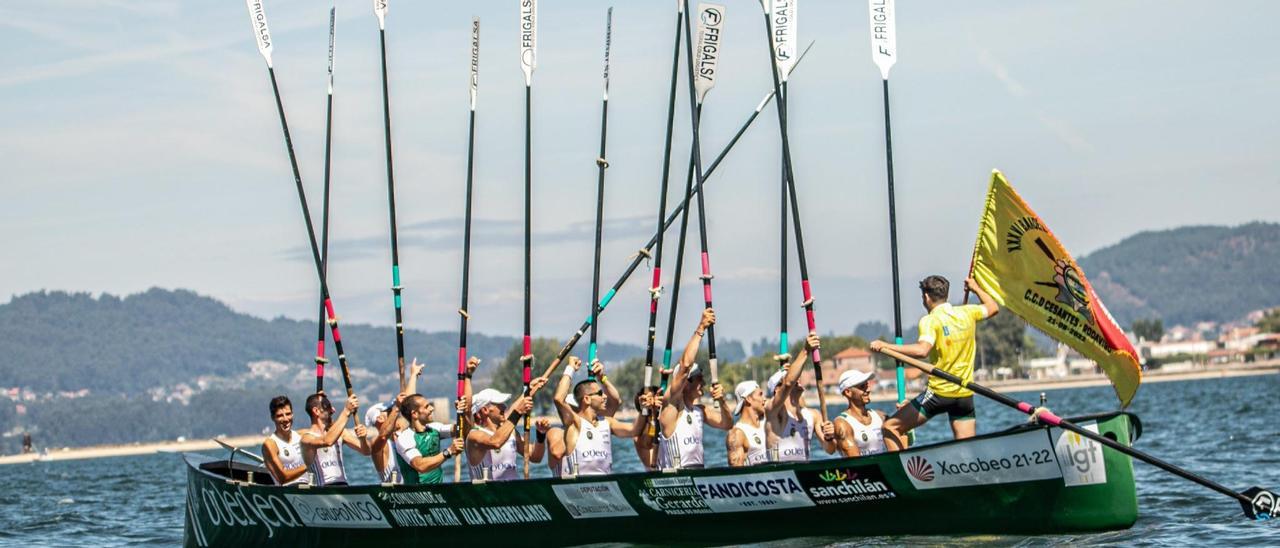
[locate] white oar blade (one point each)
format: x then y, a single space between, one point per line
380 10
783 22
884 35
608 43
258 18
333 21
475 60
528 38
706 56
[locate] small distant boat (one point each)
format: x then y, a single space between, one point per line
1029 479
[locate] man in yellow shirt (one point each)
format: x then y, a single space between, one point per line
946 340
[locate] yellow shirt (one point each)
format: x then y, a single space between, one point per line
951 329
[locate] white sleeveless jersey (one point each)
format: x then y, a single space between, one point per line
391 470
593 453
327 467
684 448
756 453
793 441
498 464
868 437
290 454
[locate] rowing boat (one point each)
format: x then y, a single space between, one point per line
1029 479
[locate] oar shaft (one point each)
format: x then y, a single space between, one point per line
893 240
311 236
695 120
815 355
324 219
391 206
527 342
1051 419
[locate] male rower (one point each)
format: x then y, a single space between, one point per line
418 453
680 442
587 431
322 443
947 339
493 444
788 421
857 430
746 440
282 450
382 419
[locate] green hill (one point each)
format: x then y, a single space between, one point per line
1189 274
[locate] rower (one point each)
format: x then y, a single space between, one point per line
587 433
322 443
418 453
746 440
282 450
947 340
646 443
493 444
553 437
857 431
384 420
680 442
789 422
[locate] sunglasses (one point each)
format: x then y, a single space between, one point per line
597 393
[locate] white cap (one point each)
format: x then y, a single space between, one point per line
744 389
694 371
852 378
775 379
371 415
486 397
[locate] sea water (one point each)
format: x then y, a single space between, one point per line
1223 429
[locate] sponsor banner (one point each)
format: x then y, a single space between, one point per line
1080 458
1007 459
345 511
846 485
752 492
674 496
593 500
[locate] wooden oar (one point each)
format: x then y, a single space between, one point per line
1258 503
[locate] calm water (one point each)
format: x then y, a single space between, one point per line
1224 429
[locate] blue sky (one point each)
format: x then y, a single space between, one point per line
141 148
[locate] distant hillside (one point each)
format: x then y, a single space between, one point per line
55 341
1189 274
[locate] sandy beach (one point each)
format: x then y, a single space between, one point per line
99 451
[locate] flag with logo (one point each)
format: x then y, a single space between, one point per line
1024 267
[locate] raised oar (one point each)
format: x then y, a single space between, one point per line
528 61
258 19
380 10
324 219
466 231
884 52
635 262
784 47
655 289
780 71
602 164
1257 502
710 27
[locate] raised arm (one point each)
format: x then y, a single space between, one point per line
988 303
411 380
540 442
613 398
724 419
567 415
357 440
334 433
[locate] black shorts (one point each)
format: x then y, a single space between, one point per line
931 405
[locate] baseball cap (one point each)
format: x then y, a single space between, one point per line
694 371
744 389
371 415
775 379
852 378
486 397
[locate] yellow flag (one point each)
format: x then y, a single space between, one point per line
1021 264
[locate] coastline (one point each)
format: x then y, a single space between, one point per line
252 440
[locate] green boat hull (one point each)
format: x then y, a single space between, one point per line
1028 480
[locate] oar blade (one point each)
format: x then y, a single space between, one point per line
1261 505
707 49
